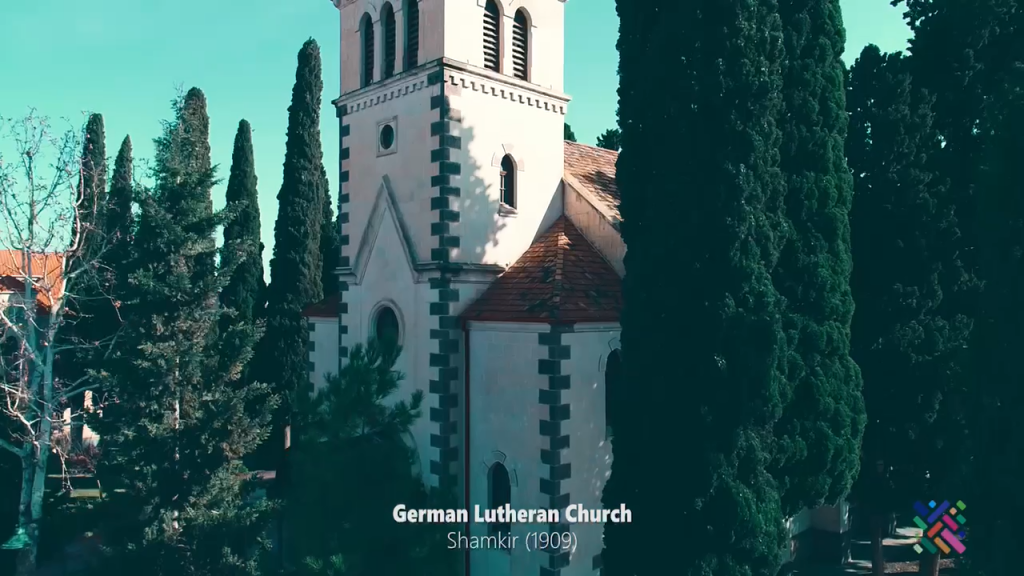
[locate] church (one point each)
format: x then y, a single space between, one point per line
489 247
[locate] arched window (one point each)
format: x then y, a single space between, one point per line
412 34
386 328
390 34
612 392
366 29
521 45
508 181
492 36
500 488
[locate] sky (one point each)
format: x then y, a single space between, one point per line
126 59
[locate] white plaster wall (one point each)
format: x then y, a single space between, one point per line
505 417
388 279
499 119
547 37
407 100
590 451
324 356
596 227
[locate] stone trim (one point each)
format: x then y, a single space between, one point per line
343 239
387 94
446 332
554 454
597 563
501 90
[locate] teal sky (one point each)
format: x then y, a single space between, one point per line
125 58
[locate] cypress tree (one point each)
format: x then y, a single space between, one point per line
93 189
820 432
242 233
119 222
908 329
86 304
995 498
705 343
296 266
175 424
330 244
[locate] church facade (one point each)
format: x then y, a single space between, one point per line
489 247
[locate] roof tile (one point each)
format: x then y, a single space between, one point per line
560 278
594 168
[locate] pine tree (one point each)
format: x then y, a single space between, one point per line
175 421
820 432
705 343
296 266
242 233
908 333
330 244
568 134
610 139
343 518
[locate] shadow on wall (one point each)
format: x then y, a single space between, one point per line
477 204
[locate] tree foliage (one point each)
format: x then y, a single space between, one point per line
610 139
296 267
175 421
242 233
820 431
568 134
716 232
330 244
352 466
908 333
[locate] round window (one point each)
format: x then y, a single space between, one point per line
385 327
387 137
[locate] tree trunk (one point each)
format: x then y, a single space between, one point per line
877 550
929 565
25 562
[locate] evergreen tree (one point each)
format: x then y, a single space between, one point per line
908 335
175 420
567 133
706 343
88 304
610 139
995 498
119 221
820 432
296 267
330 244
962 52
242 233
343 519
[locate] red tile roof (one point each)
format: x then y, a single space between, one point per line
561 278
47 273
594 168
326 308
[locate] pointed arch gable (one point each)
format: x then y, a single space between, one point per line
384 206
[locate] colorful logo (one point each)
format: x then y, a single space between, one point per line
942 525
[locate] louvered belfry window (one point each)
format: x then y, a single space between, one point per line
412 34
387 22
367 50
492 37
521 46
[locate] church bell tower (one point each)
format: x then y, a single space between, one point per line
451 118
